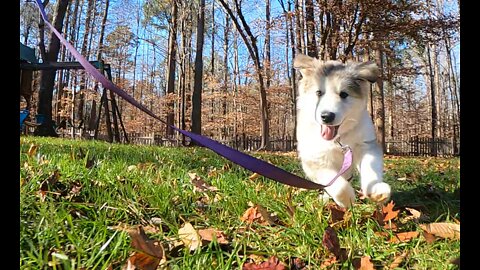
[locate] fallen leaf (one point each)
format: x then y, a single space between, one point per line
332 259
297 264
259 215
388 211
210 234
254 176
398 260
149 253
365 264
250 215
199 185
77 186
415 214
32 150
89 162
272 264
430 238
331 242
336 213
378 216
268 217
456 261
390 226
189 236
443 229
403 237
142 261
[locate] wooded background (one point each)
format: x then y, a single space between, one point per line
224 67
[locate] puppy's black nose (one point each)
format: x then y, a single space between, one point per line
327 117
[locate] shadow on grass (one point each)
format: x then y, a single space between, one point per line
436 203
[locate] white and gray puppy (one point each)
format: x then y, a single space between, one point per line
332 109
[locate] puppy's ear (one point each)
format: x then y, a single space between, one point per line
305 64
367 71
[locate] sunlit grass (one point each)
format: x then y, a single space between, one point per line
66 230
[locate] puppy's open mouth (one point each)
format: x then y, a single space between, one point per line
329 132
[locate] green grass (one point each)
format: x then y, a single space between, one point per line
73 231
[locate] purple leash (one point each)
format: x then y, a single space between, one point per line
249 162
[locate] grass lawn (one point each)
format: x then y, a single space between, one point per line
81 201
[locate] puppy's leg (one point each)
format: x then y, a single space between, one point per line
324 197
371 173
342 192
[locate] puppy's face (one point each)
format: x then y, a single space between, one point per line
331 92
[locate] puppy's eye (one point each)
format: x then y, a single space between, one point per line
343 94
319 93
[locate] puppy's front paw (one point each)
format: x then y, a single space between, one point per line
379 192
342 193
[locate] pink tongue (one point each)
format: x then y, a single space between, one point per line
328 132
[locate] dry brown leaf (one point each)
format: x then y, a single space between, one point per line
332 259
210 234
32 150
443 229
388 211
336 213
391 226
149 253
297 264
378 216
139 260
415 214
430 238
254 176
269 218
199 185
250 215
456 261
331 242
365 264
398 260
272 264
189 236
259 215
403 237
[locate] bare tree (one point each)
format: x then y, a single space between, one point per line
251 43
47 77
198 84
172 52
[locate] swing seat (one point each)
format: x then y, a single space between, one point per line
23 116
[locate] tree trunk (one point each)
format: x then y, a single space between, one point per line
266 63
212 67
299 26
251 44
378 97
198 77
83 51
310 22
225 63
292 80
432 100
172 51
47 77
102 31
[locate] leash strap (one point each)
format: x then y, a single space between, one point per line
249 162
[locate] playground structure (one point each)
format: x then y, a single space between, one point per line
29 64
